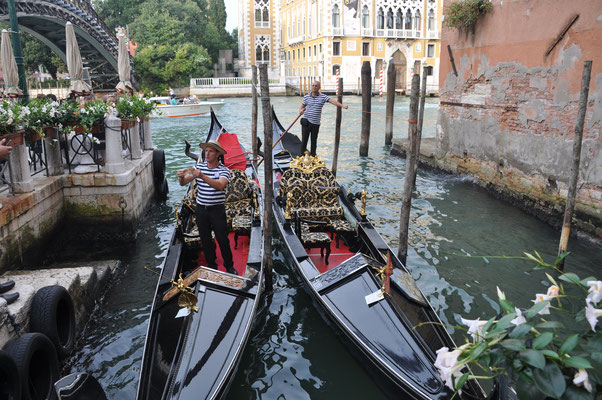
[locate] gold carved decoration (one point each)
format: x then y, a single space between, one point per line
255 203
363 208
287 208
187 298
177 216
307 163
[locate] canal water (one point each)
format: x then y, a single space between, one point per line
458 233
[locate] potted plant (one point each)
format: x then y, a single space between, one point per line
10 121
126 110
92 114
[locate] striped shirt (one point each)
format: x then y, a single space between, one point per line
206 195
313 110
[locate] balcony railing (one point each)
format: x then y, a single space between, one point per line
367 32
337 31
262 24
296 39
433 35
396 33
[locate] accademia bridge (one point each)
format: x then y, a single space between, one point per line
46 19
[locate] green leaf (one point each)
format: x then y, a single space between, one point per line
569 277
589 278
542 340
527 390
531 312
594 343
487 325
477 351
561 257
461 381
534 358
513 344
550 354
505 321
595 374
550 380
532 257
577 362
569 344
520 331
507 306
551 279
575 393
549 325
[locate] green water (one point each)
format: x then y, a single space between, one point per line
456 229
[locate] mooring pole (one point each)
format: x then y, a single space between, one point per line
254 114
420 119
366 108
572 192
337 128
410 175
390 107
268 189
16 42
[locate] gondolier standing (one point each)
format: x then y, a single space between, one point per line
312 110
211 177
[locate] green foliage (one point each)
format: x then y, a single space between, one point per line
9 117
92 113
134 107
162 66
118 12
464 14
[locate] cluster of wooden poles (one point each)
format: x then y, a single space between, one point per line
415 121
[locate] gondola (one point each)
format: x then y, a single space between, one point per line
201 318
357 283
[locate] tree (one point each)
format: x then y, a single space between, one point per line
218 15
118 12
36 53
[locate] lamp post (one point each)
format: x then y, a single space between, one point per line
16 41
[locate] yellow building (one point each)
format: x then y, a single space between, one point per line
258 35
318 37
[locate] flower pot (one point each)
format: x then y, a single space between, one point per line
13 139
49 131
127 123
98 128
75 127
33 136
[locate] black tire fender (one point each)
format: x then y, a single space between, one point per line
158 165
10 385
162 189
52 314
37 365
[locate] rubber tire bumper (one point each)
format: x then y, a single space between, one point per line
37 365
158 165
161 190
10 385
53 314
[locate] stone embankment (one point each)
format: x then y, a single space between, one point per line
85 283
534 194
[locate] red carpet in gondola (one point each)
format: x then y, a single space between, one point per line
239 255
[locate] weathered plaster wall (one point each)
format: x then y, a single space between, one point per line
512 106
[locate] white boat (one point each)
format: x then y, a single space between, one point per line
166 109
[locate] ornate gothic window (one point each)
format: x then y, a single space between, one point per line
262 49
390 19
408 24
262 13
365 17
380 19
431 20
398 20
335 16
417 21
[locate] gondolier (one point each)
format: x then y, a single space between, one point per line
312 110
211 177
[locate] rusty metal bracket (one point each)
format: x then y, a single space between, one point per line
564 31
451 59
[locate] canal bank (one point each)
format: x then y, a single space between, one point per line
535 194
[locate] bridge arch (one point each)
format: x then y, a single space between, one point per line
45 20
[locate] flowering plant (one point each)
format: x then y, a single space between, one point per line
92 113
125 107
550 350
9 117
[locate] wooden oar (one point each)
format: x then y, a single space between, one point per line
281 136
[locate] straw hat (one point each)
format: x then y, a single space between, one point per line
215 144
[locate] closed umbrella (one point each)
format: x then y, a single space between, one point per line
74 64
123 63
9 66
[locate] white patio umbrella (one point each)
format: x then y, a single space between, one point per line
74 64
123 64
9 66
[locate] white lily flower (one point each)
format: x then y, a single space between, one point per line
594 292
520 319
592 314
538 299
501 295
582 379
553 291
474 327
447 364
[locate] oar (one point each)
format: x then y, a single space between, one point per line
281 136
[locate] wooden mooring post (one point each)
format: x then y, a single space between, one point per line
366 108
420 119
390 107
574 177
337 128
254 114
410 175
268 189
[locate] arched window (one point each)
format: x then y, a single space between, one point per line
304 24
266 15
335 16
380 19
262 13
262 54
398 20
335 68
417 21
431 20
408 24
365 17
390 19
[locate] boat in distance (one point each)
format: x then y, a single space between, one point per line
201 317
192 109
356 282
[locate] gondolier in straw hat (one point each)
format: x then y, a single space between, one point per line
211 177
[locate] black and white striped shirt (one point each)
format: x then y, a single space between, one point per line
313 110
206 195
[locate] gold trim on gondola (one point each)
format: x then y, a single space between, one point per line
363 208
255 203
307 163
287 209
187 297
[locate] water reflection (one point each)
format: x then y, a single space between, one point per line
456 229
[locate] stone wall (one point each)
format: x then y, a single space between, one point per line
509 115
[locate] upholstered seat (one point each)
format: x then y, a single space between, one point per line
241 225
319 240
239 196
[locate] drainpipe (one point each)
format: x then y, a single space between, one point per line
16 41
